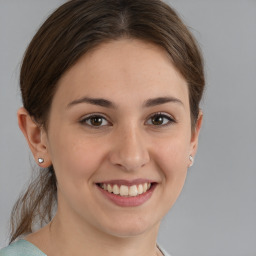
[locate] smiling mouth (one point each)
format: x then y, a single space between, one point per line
126 191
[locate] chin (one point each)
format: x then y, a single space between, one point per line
132 228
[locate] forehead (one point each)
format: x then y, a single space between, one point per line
121 69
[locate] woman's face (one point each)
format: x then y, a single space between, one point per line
120 120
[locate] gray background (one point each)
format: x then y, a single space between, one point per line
216 212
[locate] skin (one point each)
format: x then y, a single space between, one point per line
127 145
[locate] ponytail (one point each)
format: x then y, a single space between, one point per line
35 205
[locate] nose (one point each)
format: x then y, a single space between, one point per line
129 149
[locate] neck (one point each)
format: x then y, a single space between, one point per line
73 238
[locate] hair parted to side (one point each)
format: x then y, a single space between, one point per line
71 31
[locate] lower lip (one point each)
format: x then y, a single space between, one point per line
128 201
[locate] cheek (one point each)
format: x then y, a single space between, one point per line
173 153
172 158
75 158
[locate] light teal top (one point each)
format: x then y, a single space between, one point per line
21 248
25 248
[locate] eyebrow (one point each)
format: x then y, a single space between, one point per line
108 104
94 101
161 100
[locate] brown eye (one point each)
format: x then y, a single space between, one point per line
160 120
95 121
157 120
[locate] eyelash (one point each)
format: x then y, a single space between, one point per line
84 121
170 119
90 118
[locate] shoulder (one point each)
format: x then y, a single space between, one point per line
21 248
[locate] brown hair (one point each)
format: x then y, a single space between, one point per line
72 30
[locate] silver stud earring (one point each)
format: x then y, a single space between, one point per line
40 160
191 160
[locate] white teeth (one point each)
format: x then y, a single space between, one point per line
140 189
109 188
133 191
145 187
116 190
126 191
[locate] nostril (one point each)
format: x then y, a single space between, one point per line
129 162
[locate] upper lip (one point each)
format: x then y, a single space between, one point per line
127 182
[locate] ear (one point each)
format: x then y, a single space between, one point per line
195 134
36 137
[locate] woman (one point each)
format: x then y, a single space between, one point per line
111 92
